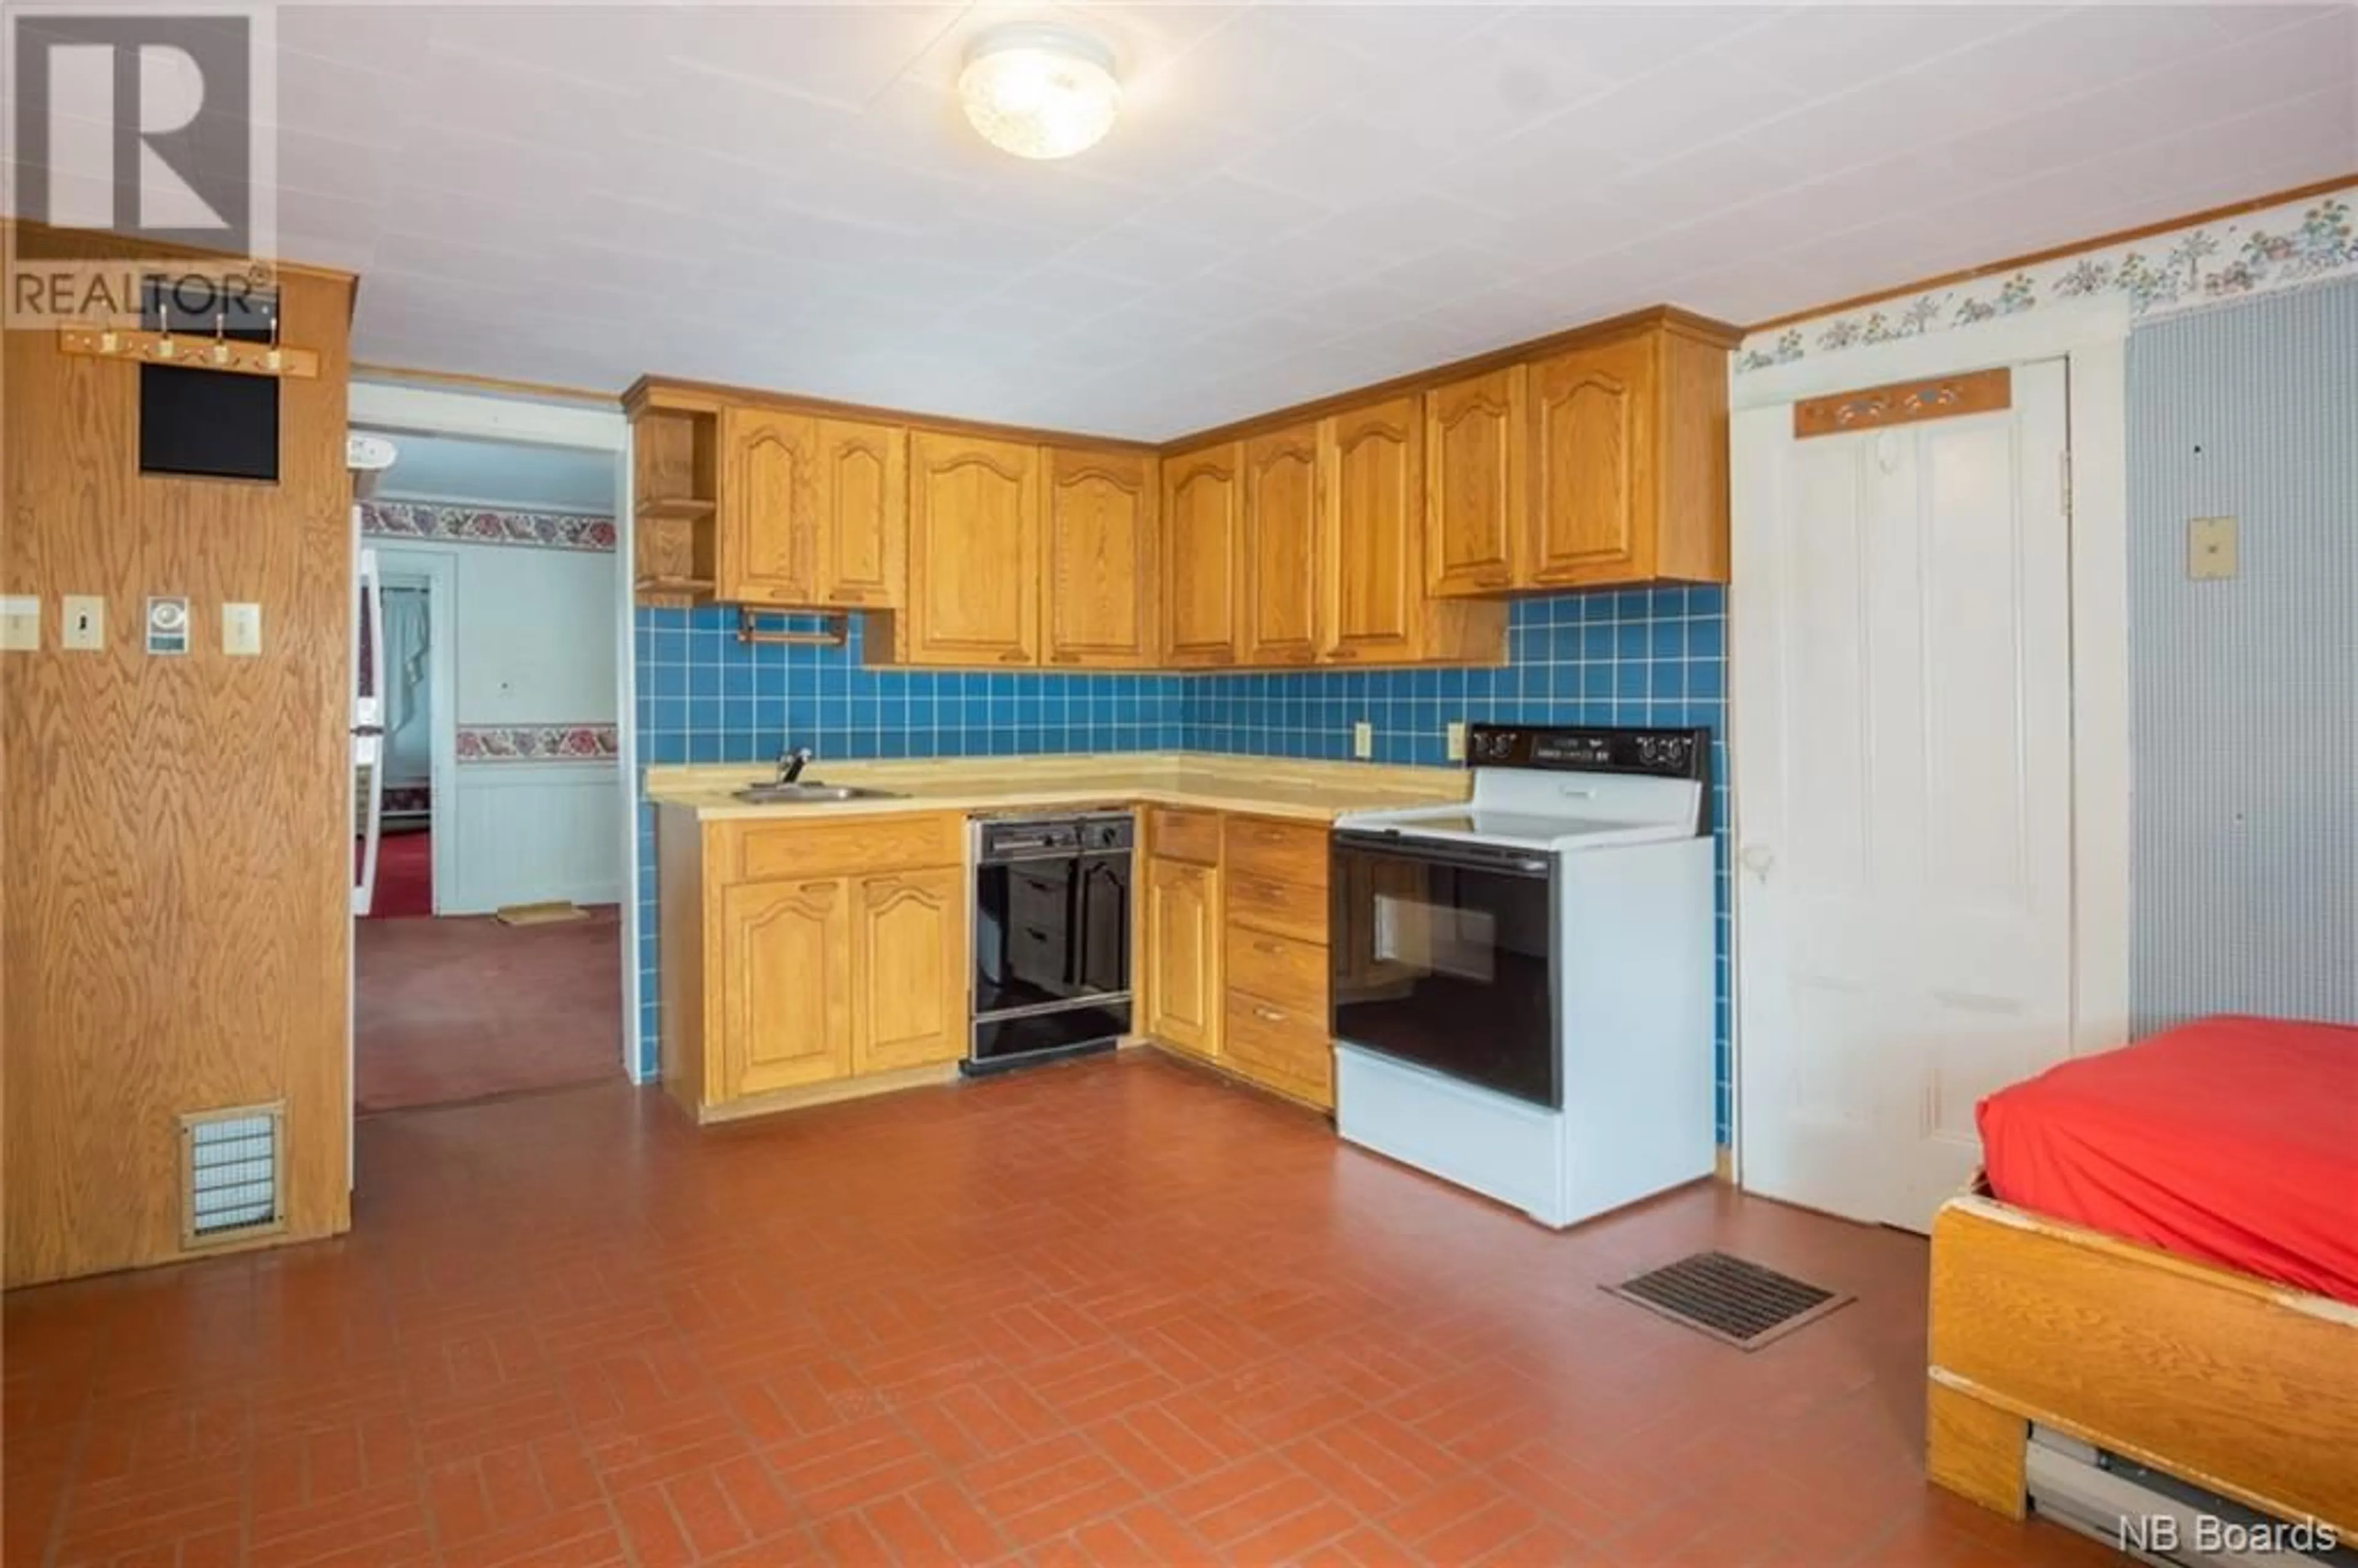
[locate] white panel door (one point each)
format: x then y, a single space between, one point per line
1902 748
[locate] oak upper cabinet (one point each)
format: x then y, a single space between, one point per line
1371 533
1476 502
1281 547
769 546
908 969
1183 955
1100 550
787 947
860 509
1201 531
974 554
813 514
1628 455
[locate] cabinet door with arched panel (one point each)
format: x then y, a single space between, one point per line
974 551
786 983
1281 547
909 970
1371 498
1476 503
1593 463
1101 550
861 476
1200 537
769 547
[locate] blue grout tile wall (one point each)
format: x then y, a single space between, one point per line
1642 656
704 697
1637 657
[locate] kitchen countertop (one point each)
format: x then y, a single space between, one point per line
1269 787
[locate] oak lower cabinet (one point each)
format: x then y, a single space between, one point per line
802 960
1182 956
1276 1023
1236 947
908 969
784 959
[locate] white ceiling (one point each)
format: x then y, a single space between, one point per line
498 473
1298 198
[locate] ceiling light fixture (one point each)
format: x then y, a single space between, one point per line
1040 91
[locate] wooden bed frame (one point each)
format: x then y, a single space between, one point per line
2244 1387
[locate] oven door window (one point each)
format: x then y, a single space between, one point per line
1446 966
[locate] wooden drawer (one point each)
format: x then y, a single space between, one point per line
1288 909
846 847
1287 1050
1185 836
1270 849
1287 974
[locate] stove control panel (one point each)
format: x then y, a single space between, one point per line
1592 749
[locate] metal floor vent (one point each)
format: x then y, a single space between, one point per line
1734 1301
233 1173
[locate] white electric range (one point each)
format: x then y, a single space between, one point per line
1522 985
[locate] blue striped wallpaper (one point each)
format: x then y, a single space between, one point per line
2244 693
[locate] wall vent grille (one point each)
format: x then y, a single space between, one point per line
233 1173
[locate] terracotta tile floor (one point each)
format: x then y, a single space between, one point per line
458 1009
1111 1313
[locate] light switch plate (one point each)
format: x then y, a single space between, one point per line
242 629
167 624
2210 549
1363 739
20 624
1457 733
85 623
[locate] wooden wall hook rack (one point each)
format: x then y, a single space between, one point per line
195 350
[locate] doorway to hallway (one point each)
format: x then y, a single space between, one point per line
488 958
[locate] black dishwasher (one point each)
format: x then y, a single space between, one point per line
1051 938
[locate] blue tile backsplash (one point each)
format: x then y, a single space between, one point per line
1642 657
704 697
1638 656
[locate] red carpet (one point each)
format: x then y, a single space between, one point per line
405 876
461 1009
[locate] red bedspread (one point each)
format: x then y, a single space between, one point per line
2234 1141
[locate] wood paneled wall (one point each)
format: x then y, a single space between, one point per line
176 831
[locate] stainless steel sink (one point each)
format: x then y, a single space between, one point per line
808 793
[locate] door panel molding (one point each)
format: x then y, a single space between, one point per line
2090 337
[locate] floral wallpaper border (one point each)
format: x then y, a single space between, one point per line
486 525
2276 247
538 742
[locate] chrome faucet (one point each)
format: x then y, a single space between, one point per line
791 763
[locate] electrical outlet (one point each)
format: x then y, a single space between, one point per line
20 622
242 629
85 623
1363 739
1457 733
2210 549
